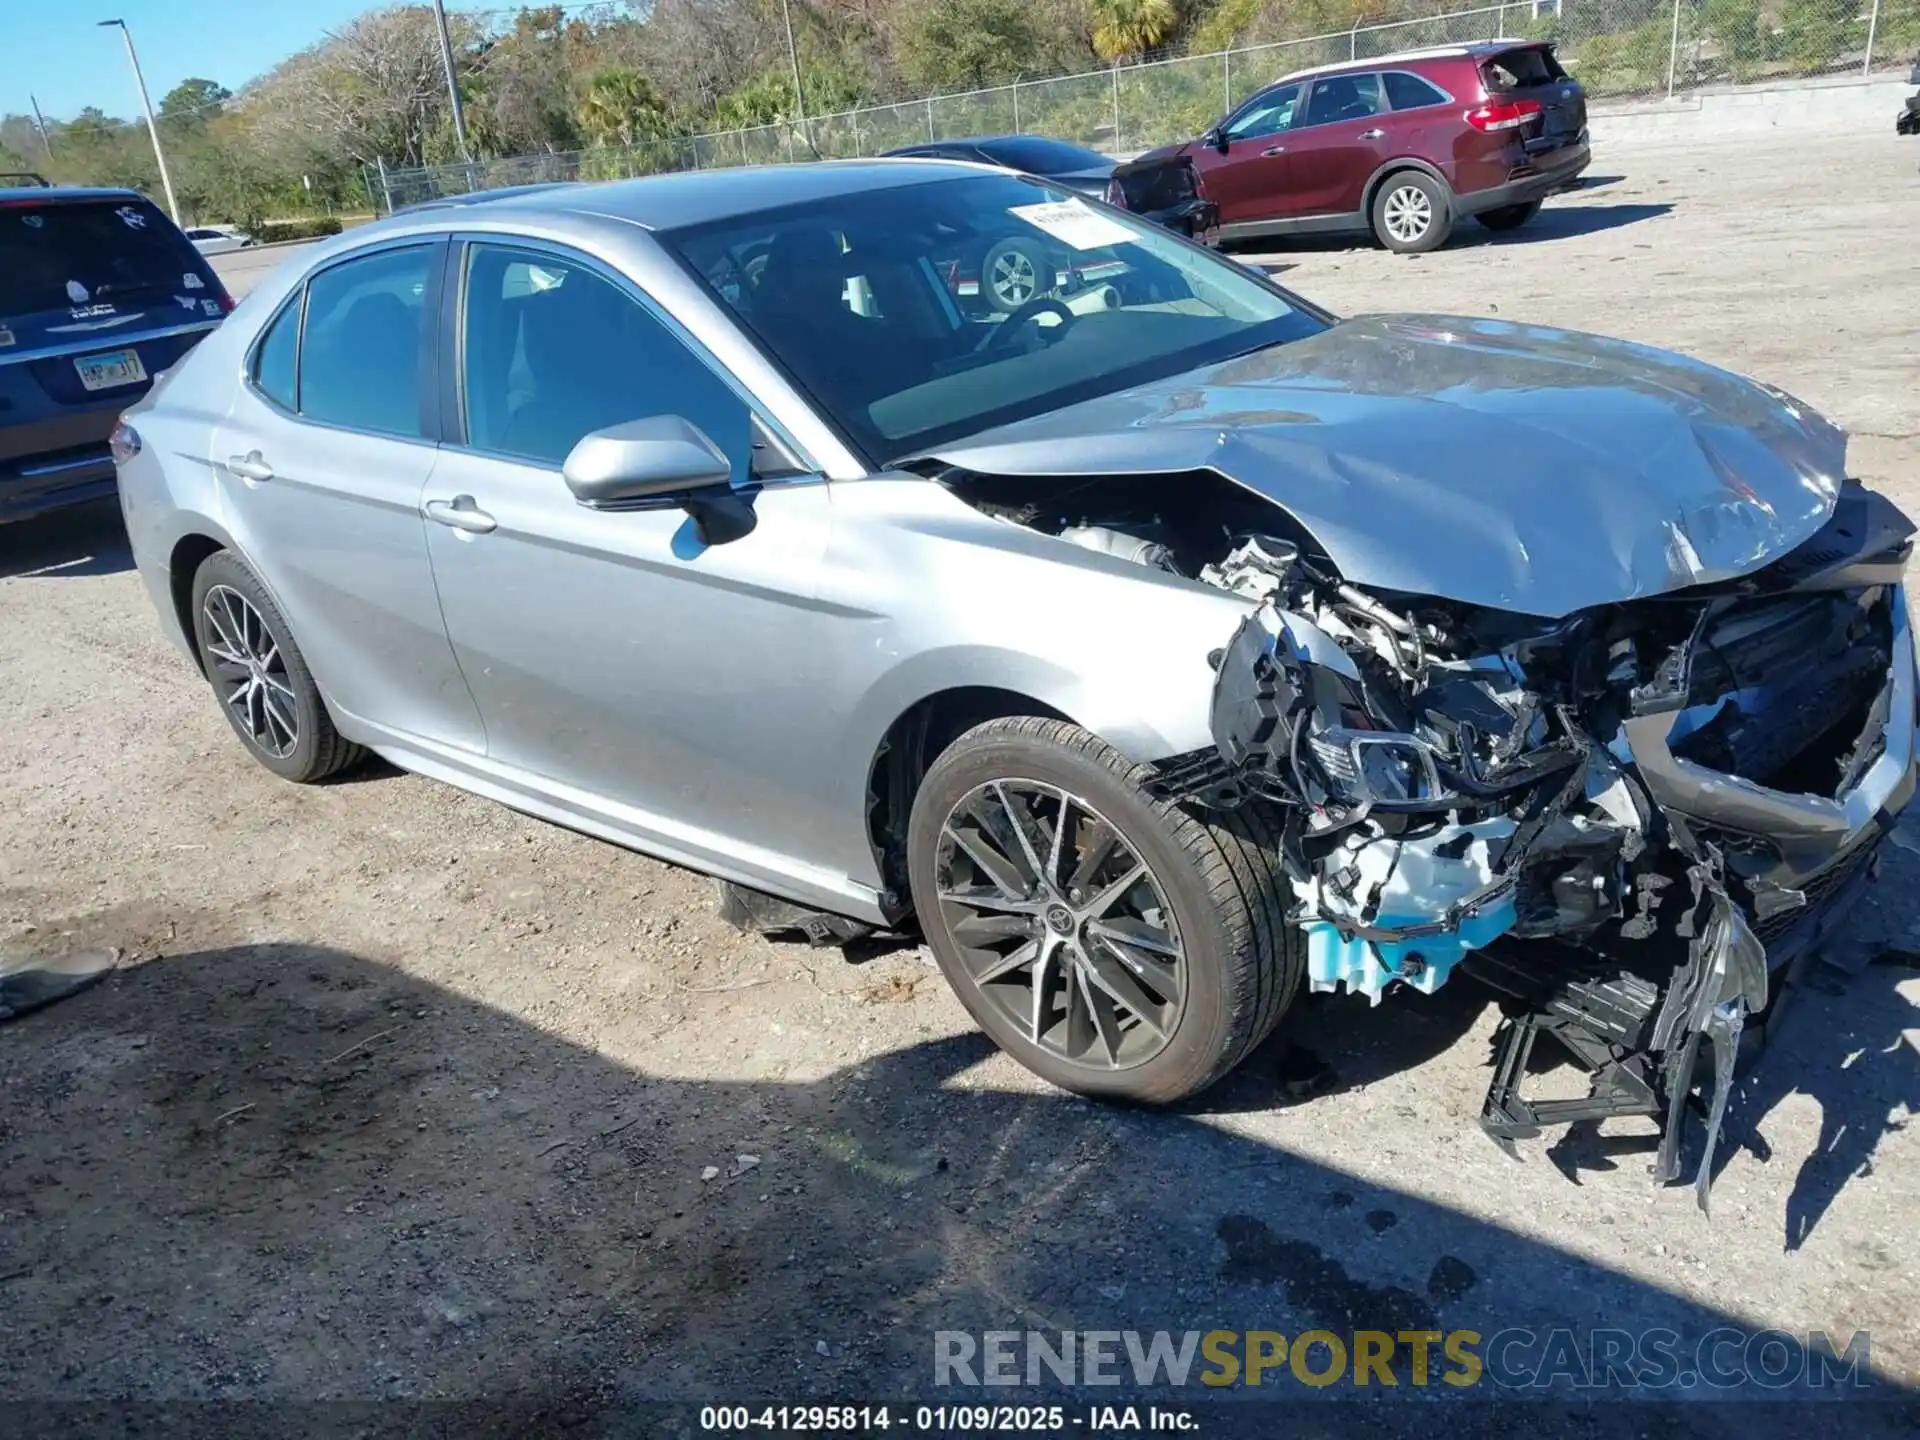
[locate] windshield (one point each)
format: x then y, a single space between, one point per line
58 253
917 314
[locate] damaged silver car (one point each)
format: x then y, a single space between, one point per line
1162 649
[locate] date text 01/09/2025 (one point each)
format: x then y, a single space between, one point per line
945 1419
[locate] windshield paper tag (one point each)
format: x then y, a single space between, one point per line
1073 224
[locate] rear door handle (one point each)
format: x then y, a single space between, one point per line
462 514
250 466
1372 134
1273 150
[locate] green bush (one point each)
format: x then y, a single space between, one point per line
1734 26
1814 33
311 229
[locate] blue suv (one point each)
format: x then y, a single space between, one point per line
99 293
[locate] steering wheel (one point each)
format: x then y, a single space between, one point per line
1002 334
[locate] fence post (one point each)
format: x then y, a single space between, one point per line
1673 49
1016 107
1226 80
1873 24
1353 42
929 119
1116 109
385 188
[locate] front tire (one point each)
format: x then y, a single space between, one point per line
1412 213
1135 951
248 654
1509 217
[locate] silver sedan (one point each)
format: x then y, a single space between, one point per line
1161 649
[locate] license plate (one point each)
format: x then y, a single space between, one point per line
116 367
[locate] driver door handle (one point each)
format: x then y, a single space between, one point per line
462 514
1372 134
250 466
1273 150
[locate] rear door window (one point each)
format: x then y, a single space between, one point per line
273 362
361 353
71 254
1343 97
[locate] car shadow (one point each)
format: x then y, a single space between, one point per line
274 1172
1561 222
88 539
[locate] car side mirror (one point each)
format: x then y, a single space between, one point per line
661 458
1217 138
657 458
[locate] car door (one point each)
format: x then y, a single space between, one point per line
1337 145
639 678
1246 172
321 462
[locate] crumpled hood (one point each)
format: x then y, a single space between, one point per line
1529 469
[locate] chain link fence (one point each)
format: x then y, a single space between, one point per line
1618 49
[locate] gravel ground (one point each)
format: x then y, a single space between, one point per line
399 1094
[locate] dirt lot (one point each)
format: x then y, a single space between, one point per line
398 1094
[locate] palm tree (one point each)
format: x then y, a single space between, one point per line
1126 28
620 107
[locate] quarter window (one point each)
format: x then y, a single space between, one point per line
273 361
552 351
360 356
1410 92
1343 97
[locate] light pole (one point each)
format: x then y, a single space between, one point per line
793 54
153 130
453 85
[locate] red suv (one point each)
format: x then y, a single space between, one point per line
1403 145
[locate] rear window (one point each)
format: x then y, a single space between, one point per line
1518 69
64 254
1039 156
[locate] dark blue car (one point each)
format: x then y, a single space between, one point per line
99 293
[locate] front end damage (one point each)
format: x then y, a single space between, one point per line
1665 796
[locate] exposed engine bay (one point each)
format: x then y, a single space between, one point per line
1665 798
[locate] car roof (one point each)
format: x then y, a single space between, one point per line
696 197
1475 49
483 197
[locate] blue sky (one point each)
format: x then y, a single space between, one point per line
55 51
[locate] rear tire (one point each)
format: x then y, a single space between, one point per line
248 654
1198 945
1508 217
1412 213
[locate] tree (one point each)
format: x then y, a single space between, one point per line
620 107
965 44
193 102
1125 29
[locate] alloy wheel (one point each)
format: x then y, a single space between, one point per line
1408 213
1061 926
250 673
1013 279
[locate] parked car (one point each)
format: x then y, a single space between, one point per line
1403 146
1016 269
219 239
99 293
1160 661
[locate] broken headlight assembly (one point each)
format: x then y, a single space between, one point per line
1371 770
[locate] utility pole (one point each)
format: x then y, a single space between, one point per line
453 85
793 54
153 130
40 123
